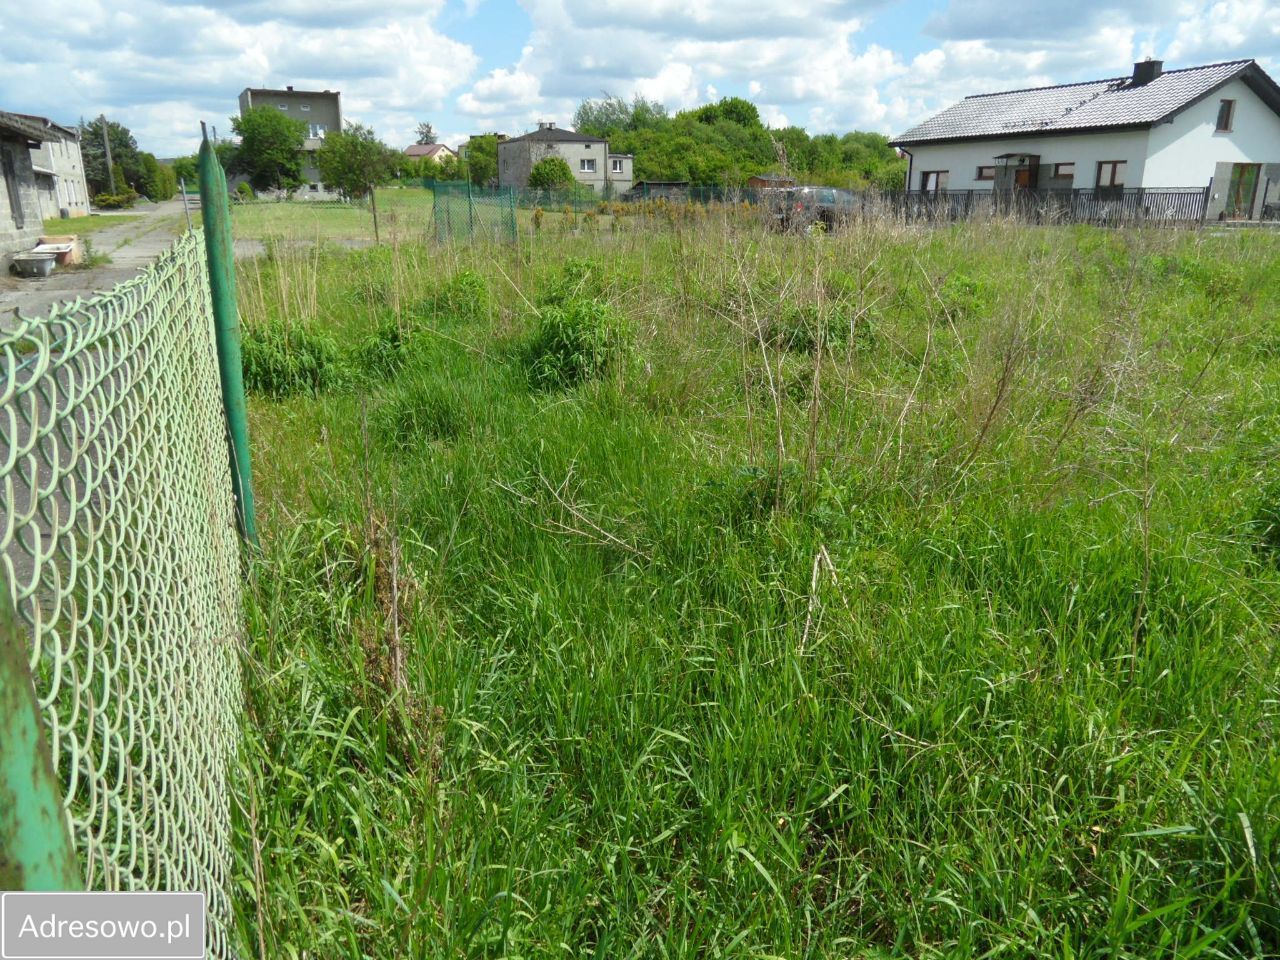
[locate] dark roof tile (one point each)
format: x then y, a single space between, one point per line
1098 104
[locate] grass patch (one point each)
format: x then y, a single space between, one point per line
84 226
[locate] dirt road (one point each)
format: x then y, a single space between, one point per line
131 246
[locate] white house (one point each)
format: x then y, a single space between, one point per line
1215 127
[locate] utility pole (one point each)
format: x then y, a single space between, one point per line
106 143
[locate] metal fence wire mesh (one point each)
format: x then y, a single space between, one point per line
465 212
120 553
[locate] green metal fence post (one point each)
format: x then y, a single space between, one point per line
35 848
216 214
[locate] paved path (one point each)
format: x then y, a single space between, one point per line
131 246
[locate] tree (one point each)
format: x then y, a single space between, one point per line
158 181
426 133
355 161
124 156
187 169
228 155
270 153
450 169
550 173
482 159
610 115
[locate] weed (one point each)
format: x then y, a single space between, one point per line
280 361
578 341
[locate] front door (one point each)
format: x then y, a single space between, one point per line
1022 178
1242 190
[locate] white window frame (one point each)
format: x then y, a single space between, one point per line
304 107
282 106
617 165
587 165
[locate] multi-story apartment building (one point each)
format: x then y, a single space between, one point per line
320 110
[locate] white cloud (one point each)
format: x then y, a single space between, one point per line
161 67
1228 28
675 85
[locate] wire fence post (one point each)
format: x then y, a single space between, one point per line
35 848
215 212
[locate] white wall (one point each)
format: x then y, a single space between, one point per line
1184 153
962 160
71 192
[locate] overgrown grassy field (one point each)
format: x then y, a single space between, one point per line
699 592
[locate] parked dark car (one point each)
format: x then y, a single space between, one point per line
794 208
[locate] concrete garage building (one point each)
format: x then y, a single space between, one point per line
20 223
1215 126
608 174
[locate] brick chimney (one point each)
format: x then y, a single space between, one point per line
1144 71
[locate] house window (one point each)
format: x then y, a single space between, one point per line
933 181
617 166
305 108
1111 175
1064 170
318 130
1226 114
587 165
986 173
282 106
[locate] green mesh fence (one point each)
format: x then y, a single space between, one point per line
120 553
464 212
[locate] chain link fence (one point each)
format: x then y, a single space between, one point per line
466 212
120 556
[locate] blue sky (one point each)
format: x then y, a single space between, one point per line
162 66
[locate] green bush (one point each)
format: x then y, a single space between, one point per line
579 277
550 173
578 341
280 362
383 354
116 201
464 297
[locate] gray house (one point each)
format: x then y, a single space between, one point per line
608 174
320 110
20 223
59 170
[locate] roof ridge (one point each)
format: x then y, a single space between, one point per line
1090 83
1052 86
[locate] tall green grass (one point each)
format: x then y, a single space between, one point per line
893 593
